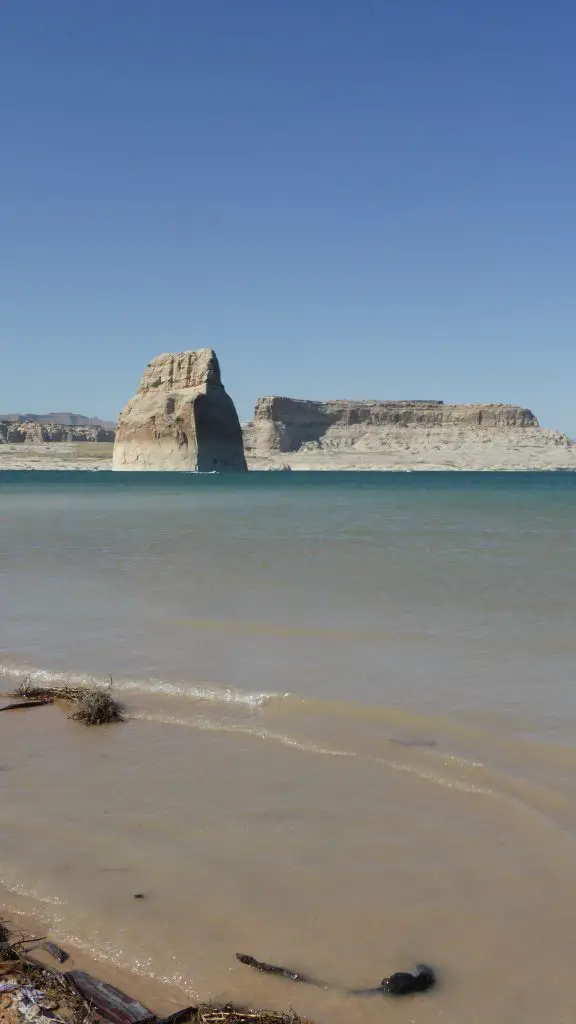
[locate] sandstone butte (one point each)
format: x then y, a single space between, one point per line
288 424
181 418
301 434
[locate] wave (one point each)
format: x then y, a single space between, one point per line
263 733
18 888
429 773
461 754
544 803
405 727
431 766
210 693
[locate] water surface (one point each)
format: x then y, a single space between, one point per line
351 734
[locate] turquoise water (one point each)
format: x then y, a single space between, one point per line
350 736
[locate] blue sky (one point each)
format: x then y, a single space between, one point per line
370 198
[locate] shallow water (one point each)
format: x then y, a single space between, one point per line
351 732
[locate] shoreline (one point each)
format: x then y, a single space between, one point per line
21 921
426 454
45 459
32 988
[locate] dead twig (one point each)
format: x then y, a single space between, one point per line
230 1014
33 703
92 705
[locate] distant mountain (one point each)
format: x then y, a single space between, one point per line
65 419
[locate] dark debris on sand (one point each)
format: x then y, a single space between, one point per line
96 707
19 970
209 1014
75 997
92 705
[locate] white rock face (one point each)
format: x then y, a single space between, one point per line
181 418
288 424
400 435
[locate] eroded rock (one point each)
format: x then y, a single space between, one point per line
291 425
33 432
181 418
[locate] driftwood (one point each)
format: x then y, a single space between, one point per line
284 972
106 1002
59 954
400 984
27 704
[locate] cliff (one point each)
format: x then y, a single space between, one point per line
288 425
181 418
400 435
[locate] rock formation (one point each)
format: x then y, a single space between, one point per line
181 418
62 419
288 425
31 432
400 434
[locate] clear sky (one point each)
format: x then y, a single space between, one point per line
345 198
